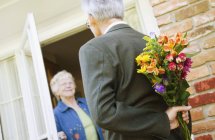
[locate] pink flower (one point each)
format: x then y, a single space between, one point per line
172 66
169 58
180 66
181 58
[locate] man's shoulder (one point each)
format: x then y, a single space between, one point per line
101 42
94 43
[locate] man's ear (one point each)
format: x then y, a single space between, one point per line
92 20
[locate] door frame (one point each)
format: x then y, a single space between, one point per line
146 17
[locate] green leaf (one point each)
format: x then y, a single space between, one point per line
171 92
185 35
147 38
158 79
184 97
184 85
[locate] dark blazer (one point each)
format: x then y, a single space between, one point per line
120 100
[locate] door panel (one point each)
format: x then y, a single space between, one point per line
34 86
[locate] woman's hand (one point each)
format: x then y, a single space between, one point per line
61 135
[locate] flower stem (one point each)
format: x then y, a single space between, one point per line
185 130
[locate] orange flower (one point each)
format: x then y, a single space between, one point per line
178 38
184 42
179 35
173 53
162 39
167 48
150 69
156 71
161 71
171 42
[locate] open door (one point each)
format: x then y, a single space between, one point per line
34 86
1 135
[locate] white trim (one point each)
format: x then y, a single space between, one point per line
147 19
34 50
25 88
41 79
1 135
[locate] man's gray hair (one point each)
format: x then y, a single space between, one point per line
54 83
104 9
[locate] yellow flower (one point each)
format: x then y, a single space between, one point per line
140 59
146 58
142 69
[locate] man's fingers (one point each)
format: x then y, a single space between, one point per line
185 114
182 108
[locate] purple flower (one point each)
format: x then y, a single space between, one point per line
186 69
152 34
159 88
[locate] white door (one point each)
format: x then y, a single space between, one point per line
1 137
34 86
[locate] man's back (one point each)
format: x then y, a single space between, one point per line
121 45
125 102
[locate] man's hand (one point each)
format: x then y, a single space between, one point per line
172 114
61 135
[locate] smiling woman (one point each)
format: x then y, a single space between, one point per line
71 114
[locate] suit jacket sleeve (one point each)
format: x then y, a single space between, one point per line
98 76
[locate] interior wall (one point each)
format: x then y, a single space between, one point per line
63 54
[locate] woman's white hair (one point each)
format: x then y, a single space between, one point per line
104 9
54 83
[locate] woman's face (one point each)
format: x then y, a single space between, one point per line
66 87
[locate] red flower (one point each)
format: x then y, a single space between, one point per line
172 66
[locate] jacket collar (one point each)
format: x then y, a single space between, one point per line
63 107
114 24
118 27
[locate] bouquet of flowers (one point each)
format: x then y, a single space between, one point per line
163 63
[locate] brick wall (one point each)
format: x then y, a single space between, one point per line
197 18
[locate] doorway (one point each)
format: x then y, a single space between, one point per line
63 55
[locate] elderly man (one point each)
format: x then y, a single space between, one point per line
120 100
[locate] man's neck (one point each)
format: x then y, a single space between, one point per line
104 25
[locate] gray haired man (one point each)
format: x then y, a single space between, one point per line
120 100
